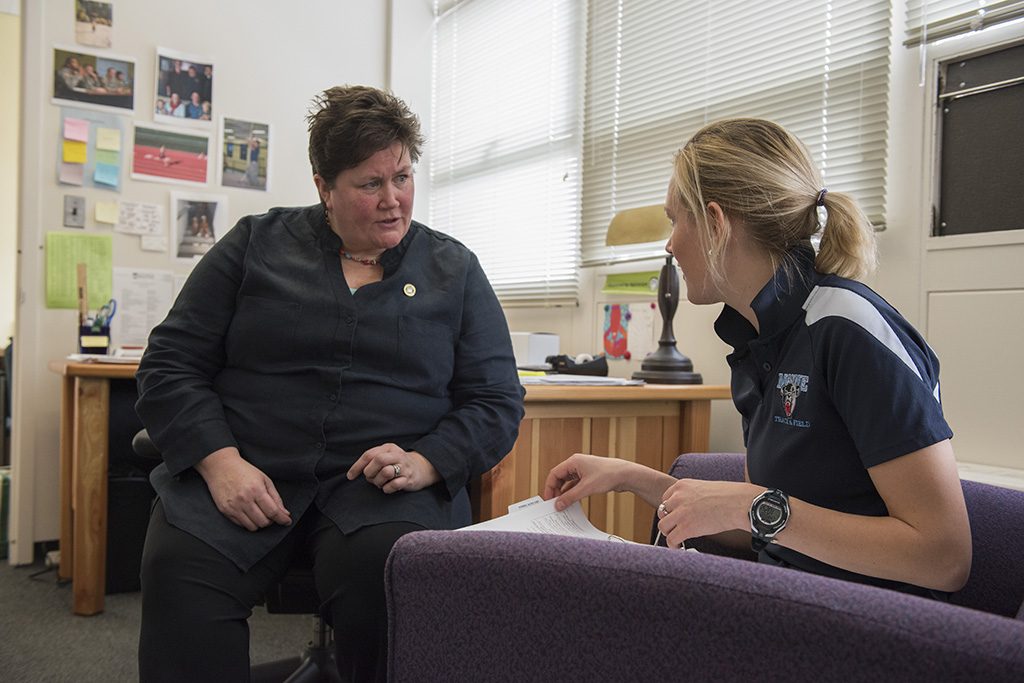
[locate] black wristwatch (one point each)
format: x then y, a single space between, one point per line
768 516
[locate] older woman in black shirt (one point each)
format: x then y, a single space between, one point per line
330 377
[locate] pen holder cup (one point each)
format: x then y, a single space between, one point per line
93 339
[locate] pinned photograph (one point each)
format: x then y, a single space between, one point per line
245 149
168 156
102 81
94 22
197 222
184 89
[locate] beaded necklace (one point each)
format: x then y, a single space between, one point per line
364 261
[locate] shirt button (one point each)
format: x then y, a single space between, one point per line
767 367
319 445
349 320
333 397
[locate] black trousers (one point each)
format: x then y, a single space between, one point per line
196 602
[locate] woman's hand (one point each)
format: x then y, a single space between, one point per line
242 492
584 475
391 469
692 507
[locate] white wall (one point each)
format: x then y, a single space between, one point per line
270 59
10 82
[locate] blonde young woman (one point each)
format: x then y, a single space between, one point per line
850 471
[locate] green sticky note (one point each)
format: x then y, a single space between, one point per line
64 251
105 156
632 283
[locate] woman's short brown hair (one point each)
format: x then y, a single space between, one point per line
350 123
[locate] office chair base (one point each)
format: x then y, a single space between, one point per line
316 665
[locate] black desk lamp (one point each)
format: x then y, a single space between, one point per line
666 365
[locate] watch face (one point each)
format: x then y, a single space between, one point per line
769 513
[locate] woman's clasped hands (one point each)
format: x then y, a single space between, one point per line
392 468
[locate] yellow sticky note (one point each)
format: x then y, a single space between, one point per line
106 212
108 138
74 152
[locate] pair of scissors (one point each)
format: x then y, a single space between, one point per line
104 315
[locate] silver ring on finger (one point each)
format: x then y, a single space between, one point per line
662 510
398 470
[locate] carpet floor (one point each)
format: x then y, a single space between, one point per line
41 640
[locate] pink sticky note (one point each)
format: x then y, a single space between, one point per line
76 129
72 174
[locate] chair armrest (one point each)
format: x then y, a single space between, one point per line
474 604
144 447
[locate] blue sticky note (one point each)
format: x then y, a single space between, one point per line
107 174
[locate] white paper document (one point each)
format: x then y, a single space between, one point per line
113 359
143 299
137 218
583 380
536 515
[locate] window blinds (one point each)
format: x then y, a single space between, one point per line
657 71
931 20
505 141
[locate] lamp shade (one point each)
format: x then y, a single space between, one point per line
636 226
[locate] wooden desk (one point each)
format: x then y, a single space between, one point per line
84 431
649 424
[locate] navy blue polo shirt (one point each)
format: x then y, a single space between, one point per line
835 382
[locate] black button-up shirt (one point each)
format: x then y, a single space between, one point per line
266 349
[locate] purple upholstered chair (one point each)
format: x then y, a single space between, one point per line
501 606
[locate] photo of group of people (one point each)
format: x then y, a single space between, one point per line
184 91
244 152
93 79
94 22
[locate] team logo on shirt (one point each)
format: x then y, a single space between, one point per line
791 386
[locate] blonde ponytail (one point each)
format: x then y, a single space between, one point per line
848 246
762 175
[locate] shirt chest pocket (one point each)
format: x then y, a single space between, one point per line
261 332
424 356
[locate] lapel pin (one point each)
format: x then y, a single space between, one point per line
409 289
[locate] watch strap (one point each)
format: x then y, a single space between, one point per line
758 537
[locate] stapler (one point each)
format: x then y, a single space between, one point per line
583 364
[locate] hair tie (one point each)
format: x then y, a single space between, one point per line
820 201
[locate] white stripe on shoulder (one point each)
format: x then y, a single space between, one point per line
836 301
